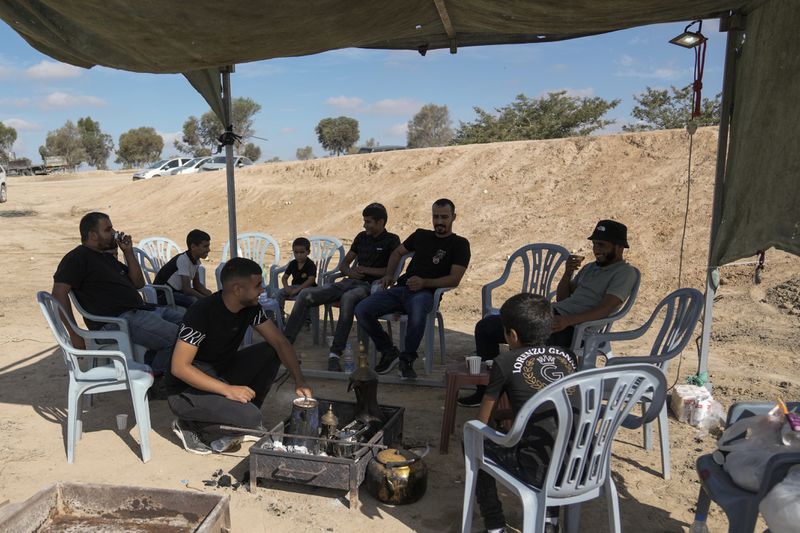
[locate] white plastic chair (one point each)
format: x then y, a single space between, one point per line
540 264
327 253
121 343
121 374
590 405
260 247
603 325
150 292
160 249
679 311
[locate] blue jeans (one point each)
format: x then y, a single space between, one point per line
398 299
347 292
156 330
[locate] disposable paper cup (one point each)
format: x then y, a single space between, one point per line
474 364
122 422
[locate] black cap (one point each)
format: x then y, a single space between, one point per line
610 231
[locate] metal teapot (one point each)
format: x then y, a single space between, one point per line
397 476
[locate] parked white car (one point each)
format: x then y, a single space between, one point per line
162 168
191 167
3 190
218 162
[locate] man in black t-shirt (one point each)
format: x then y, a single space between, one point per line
440 259
222 384
106 287
363 264
520 373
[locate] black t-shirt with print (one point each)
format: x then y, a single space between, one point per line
300 275
374 252
521 374
433 256
216 331
99 281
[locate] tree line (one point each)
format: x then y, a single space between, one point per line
554 115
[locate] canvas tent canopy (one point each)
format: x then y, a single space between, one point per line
757 194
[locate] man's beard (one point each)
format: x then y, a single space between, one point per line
111 245
610 258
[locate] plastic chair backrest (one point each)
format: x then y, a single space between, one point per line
540 264
323 251
147 264
160 250
681 311
55 316
260 247
590 406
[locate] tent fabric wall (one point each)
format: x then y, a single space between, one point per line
761 195
175 36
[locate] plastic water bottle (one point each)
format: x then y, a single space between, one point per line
348 361
699 525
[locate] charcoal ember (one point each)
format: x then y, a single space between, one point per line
224 481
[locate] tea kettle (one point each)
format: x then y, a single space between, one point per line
397 476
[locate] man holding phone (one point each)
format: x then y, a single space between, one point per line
106 287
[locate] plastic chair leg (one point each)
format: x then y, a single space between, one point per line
141 410
429 330
315 336
534 512
470 482
648 429
572 518
613 505
441 337
73 402
663 432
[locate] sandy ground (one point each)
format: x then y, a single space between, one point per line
506 195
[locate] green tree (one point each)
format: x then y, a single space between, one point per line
66 142
8 136
304 154
96 144
204 133
337 135
553 116
251 151
274 159
431 126
670 109
138 147
190 142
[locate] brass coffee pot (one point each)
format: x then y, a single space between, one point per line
364 381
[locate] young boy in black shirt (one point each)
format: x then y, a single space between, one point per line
528 367
223 385
301 270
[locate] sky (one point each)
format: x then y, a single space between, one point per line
381 89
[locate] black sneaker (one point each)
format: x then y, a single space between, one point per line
473 400
190 439
407 370
333 364
388 361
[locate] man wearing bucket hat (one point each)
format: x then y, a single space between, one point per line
596 291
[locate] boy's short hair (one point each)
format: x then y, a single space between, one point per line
441 202
376 212
530 315
302 241
89 222
238 268
196 237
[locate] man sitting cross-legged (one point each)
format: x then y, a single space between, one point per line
223 385
440 259
370 250
106 287
527 368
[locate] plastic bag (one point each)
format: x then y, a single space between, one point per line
781 507
751 442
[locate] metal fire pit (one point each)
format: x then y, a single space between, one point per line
344 473
84 508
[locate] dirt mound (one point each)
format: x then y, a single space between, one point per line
786 296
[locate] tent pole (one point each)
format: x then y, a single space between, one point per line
712 273
233 247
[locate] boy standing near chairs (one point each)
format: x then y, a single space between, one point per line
301 270
527 368
181 272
